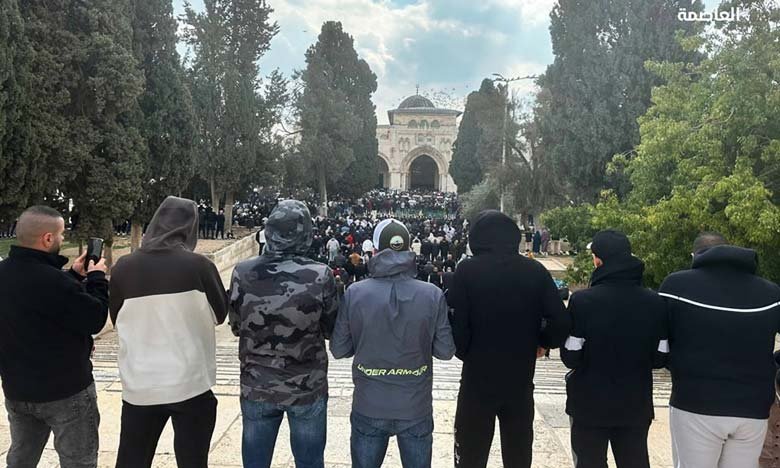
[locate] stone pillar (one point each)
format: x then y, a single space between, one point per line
395 181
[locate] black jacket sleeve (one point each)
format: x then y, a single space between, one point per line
215 290
85 304
457 299
661 355
557 321
573 350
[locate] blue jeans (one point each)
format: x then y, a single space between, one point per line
370 437
308 431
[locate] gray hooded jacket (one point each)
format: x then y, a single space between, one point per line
283 307
393 325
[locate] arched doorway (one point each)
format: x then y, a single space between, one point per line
424 173
383 180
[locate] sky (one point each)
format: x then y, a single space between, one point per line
444 46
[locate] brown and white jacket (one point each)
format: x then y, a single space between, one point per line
165 301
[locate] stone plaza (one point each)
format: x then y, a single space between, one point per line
551 425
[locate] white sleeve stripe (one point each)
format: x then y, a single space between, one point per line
663 346
714 307
574 343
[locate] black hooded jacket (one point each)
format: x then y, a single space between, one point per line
501 300
723 322
619 336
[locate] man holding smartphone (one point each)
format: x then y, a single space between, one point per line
46 309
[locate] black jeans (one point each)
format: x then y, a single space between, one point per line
193 425
74 422
629 445
475 422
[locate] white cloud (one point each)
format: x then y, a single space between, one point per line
532 12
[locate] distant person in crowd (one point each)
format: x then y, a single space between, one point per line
260 239
283 308
537 243
444 248
165 302
393 326
770 454
545 241
507 311
619 336
417 246
220 225
723 323
333 247
211 222
202 222
368 248
47 320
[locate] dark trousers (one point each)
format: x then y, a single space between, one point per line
475 422
220 231
629 445
193 425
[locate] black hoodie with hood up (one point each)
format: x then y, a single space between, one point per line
506 305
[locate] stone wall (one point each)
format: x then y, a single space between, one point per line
227 258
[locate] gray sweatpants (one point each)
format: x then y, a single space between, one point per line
701 441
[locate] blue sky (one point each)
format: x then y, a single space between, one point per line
442 45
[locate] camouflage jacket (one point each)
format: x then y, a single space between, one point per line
283 307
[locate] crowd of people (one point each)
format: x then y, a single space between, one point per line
713 326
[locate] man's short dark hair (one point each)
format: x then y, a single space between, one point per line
34 222
708 239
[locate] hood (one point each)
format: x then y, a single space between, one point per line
388 262
173 226
624 269
494 232
288 230
729 256
396 265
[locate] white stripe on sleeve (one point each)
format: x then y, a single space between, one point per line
663 346
574 343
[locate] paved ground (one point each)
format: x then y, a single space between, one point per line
551 446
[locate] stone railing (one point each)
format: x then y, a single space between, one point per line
226 258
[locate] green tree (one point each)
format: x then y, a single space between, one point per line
168 118
85 113
598 84
710 151
360 175
20 171
234 117
478 144
335 113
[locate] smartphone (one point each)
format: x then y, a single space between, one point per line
94 250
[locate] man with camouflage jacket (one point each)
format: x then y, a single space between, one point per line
283 307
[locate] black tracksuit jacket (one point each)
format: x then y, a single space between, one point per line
723 322
619 336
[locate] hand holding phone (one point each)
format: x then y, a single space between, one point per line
94 252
